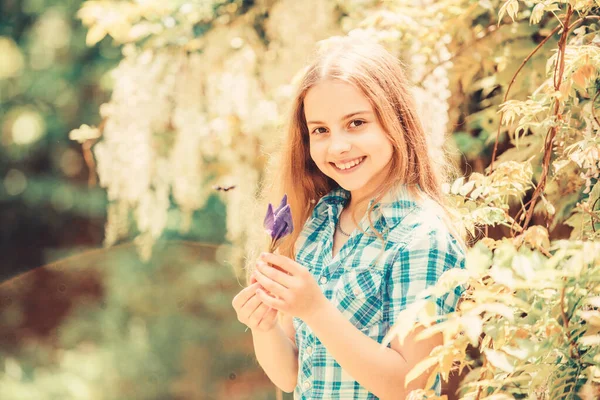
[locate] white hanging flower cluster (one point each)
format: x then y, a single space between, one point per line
433 95
235 99
134 164
176 120
191 131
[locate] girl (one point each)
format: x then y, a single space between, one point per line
365 191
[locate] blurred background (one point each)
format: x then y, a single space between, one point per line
123 122
66 331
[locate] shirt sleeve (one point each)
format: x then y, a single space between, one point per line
429 253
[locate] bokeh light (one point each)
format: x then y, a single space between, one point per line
15 182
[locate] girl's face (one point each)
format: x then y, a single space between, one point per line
343 131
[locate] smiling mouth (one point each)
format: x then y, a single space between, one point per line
351 168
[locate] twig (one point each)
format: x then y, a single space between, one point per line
89 161
510 86
593 112
575 24
591 212
480 387
518 215
89 157
562 43
572 344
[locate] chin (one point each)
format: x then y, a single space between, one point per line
351 187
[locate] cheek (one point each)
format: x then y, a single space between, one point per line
386 146
384 151
316 155
389 151
319 158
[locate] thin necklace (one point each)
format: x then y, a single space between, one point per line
340 227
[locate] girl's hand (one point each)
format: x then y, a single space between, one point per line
252 312
298 293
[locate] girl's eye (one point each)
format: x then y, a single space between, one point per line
317 129
357 123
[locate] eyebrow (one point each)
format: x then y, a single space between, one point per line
343 118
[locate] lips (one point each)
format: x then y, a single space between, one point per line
351 168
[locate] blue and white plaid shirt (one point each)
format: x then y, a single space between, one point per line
419 249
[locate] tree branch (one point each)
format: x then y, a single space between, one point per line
575 24
560 61
510 86
593 112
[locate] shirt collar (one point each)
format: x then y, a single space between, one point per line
394 205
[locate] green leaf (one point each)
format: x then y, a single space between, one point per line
592 340
473 326
419 369
467 187
511 7
537 13
447 282
457 185
593 301
496 308
499 360
406 322
503 276
499 396
479 259
427 314
517 352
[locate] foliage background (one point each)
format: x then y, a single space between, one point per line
168 99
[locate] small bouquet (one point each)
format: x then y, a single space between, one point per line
278 224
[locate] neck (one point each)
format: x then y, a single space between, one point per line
356 209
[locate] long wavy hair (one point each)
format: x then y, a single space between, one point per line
381 78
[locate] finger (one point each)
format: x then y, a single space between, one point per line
268 320
276 275
258 314
248 308
252 279
243 296
283 262
271 301
269 284
252 287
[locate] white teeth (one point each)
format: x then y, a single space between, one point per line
350 164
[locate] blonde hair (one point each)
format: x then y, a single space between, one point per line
380 76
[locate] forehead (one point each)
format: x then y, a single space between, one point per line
331 100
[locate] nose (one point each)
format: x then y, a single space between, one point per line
339 143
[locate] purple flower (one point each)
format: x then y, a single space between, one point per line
278 223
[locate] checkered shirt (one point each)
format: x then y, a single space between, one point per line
419 249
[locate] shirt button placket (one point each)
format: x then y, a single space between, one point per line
308 352
323 280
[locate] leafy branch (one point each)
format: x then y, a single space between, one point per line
557 80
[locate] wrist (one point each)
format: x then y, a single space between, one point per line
259 332
319 313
